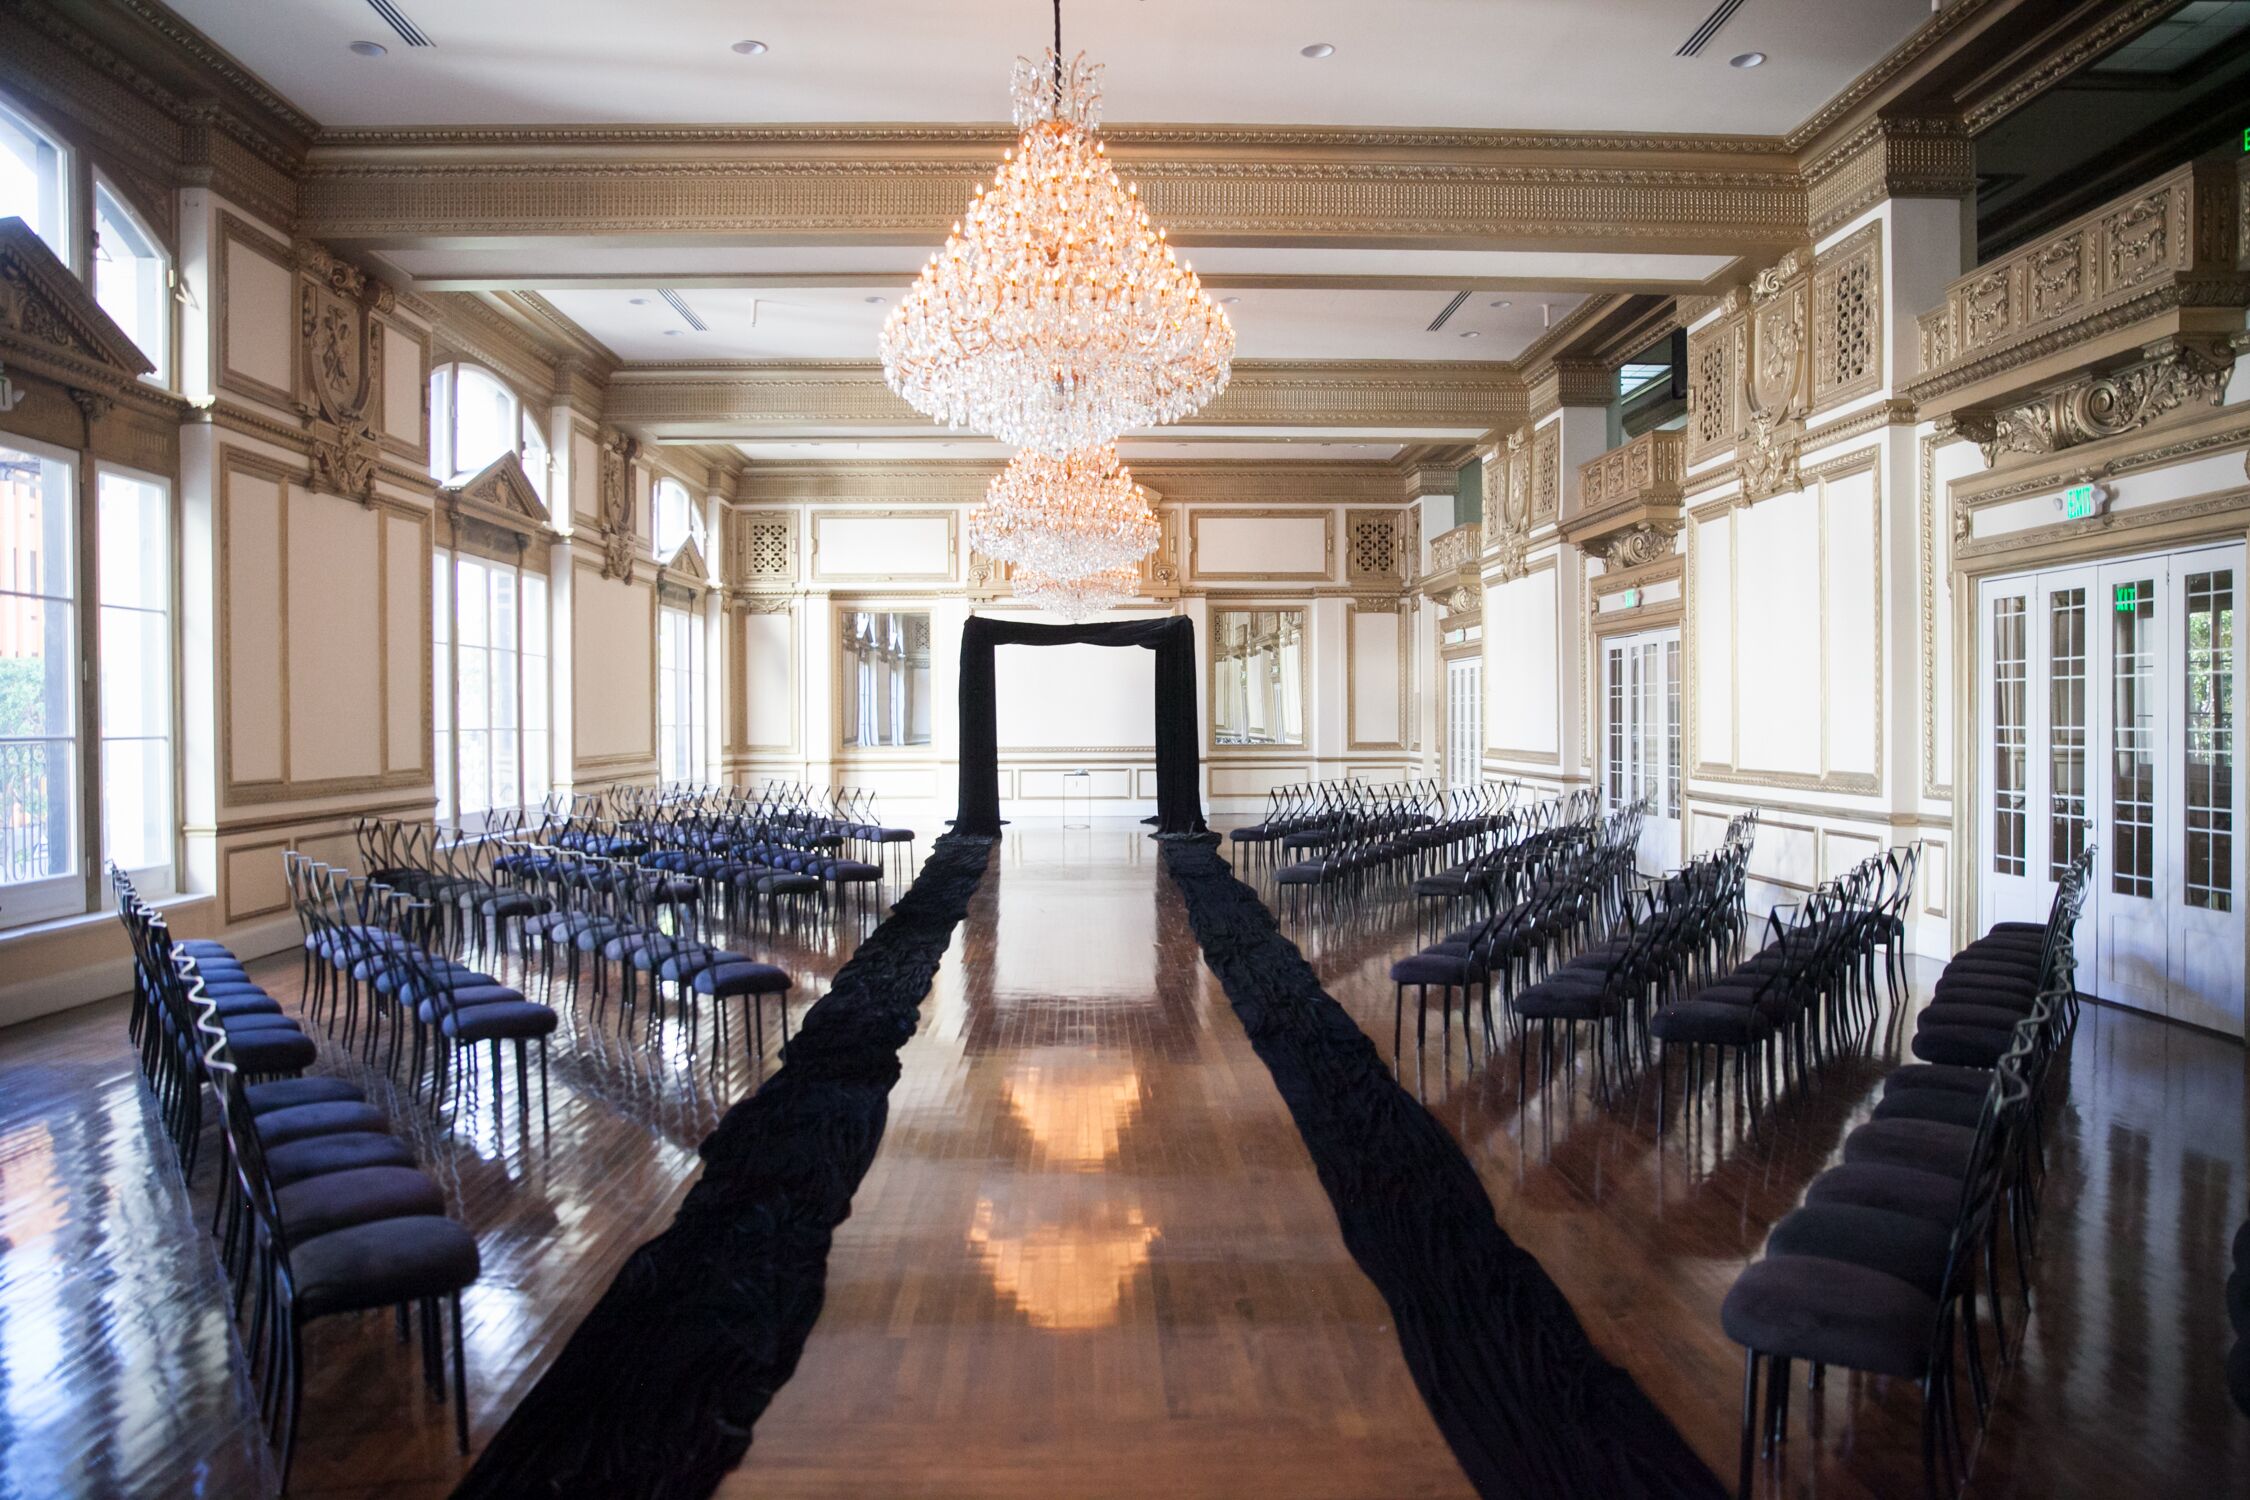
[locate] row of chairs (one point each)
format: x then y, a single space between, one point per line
1306 818
1397 835
1880 1269
1551 888
1806 993
324 1211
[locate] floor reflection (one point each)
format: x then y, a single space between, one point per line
1063 1273
1074 1106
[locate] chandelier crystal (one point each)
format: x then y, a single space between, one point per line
1056 317
1065 517
1079 598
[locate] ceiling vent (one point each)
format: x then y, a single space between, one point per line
1450 309
1722 13
395 18
679 305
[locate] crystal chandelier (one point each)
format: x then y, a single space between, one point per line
1065 518
1055 317
1079 598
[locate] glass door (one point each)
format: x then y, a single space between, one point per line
1641 736
2108 705
1464 721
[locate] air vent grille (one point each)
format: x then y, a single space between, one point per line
679 305
1720 15
395 18
1450 309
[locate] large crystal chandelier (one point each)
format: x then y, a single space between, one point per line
1079 598
1065 517
1055 317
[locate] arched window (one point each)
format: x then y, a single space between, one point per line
133 278
676 518
35 180
474 418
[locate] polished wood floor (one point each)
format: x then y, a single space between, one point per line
1092 1259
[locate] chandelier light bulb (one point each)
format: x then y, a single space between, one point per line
1079 598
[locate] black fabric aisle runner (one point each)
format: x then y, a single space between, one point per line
1529 1406
654 1396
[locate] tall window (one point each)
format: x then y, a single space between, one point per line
39 870
35 181
676 518
474 418
46 721
133 279
136 655
680 716
491 686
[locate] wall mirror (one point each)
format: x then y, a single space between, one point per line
1258 676
885 697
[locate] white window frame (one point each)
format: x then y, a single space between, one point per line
666 534
445 428
682 714
161 354
160 879
65 894
64 240
530 666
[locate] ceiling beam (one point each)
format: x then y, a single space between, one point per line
1405 400
785 281
877 185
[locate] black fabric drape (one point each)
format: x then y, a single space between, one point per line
1179 800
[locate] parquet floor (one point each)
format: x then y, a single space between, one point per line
1091 1258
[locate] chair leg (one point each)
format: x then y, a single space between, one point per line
460 1379
1750 1425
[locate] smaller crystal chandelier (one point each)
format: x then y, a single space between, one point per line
1079 598
1065 518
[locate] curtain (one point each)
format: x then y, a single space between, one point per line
1179 801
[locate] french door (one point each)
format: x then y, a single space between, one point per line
1641 736
1464 721
2108 711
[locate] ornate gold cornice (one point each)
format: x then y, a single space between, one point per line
1888 158
1172 483
1702 195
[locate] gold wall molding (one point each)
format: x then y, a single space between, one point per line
1848 327
1327 519
2172 374
1934 783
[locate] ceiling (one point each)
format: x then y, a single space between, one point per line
1606 65
816 322
1132 450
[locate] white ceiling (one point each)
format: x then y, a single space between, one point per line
1538 64
806 322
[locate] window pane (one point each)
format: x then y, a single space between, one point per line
2209 801
473 700
2066 718
2010 735
471 606
441 422
484 420
32 182
37 813
537 779
534 615
504 608
536 463
507 790
135 560
534 714
38 666
136 674
137 802
476 773
2132 739
35 527
503 669
130 280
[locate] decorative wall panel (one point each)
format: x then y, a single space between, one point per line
1848 333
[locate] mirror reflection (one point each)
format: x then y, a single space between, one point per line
1258 676
886 678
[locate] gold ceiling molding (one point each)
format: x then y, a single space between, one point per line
740 398
391 188
2089 32
1888 158
1570 382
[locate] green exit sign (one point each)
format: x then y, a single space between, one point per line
1632 598
2128 597
2083 501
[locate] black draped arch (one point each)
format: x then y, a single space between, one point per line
1179 800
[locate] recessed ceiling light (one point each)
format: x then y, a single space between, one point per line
1746 60
671 333
1469 333
638 301
370 49
1317 49
1230 301
1503 302
871 301
750 48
